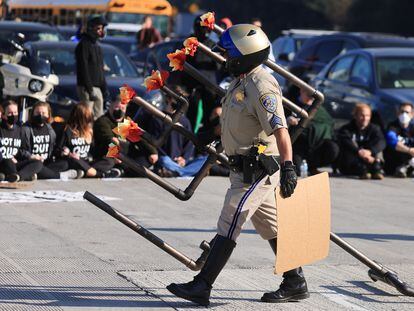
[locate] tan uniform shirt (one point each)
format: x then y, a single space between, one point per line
252 110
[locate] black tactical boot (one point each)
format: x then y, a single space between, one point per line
199 289
293 288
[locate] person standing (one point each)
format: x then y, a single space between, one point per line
252 120
147 36
91 83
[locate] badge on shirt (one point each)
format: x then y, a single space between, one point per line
269 102
239 96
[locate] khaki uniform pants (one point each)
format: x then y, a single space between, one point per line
244 202
97 105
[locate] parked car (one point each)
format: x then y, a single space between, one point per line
286 46
320 50
127 44
155 58
381 77
22 32
290 42
67 32
119 70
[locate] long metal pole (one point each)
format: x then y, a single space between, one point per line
148 235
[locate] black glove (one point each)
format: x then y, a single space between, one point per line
288 179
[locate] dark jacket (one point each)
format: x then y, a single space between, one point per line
351 139
103 135
89 64
14 142
50 141
176 144
396 133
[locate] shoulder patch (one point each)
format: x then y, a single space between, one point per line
269 102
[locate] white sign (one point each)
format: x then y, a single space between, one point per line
45 196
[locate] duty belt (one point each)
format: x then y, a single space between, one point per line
250 165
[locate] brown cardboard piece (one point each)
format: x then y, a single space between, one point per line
304 222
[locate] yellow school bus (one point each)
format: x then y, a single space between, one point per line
72 12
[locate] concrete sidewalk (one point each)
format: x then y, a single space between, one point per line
72 256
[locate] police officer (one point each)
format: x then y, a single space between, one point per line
253 127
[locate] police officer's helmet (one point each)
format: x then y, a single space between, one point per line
247 47
96 19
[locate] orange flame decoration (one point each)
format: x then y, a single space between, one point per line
129 130
177 59
208 20
156 80
113 151
126 93
190 46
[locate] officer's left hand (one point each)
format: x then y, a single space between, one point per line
288 179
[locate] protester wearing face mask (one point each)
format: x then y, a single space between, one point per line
141 152
91 83
16 161
43 143
399 155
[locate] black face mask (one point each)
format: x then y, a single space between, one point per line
12 119
39 119
118 114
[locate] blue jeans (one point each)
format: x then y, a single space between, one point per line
190 169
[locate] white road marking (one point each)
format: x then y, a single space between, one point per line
45 196
342 300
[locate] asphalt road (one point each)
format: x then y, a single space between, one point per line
70 255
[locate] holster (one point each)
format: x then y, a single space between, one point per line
250 164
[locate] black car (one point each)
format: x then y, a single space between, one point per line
155 58
286 46
67 32
381 77
320 50
119 70
22 32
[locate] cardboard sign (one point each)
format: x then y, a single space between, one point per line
304 222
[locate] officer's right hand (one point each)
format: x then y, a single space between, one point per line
288 179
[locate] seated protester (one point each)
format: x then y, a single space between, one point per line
399 154
142 152
176 154
315 144
16 161
209 133
361 144
76 145
43 143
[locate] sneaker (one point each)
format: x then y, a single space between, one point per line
377 176
69 174
32 178
112 173
13 178
401 171
80 174
2 177
365 176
